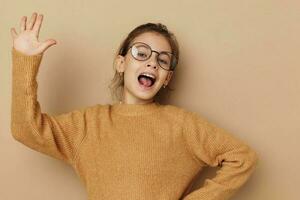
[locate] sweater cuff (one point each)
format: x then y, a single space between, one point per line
25 67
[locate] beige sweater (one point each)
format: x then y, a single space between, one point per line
126 151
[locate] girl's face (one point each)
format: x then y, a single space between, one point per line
134 91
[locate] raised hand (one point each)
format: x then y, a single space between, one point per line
26 41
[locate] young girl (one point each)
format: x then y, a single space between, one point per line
134 149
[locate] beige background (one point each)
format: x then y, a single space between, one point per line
239 68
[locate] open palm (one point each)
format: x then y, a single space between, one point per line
27 41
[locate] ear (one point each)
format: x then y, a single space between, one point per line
169 76
120 63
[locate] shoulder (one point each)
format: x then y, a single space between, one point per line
189 118
92 111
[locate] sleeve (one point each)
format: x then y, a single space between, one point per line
57 136
215 146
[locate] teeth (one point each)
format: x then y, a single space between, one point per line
149 75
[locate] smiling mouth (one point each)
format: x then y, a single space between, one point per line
146 81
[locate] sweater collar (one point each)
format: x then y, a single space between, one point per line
135 109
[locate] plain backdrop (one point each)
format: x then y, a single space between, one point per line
239 68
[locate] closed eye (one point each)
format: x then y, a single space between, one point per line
163 61
141 54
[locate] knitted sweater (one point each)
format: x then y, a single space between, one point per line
130 151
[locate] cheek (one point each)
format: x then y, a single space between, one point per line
130 71
162 78
131 65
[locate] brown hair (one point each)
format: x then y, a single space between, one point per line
117 83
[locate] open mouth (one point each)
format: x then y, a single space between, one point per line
146 81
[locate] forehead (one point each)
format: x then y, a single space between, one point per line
154 40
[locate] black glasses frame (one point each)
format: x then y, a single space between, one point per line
172 67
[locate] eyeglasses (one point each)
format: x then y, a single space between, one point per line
141 51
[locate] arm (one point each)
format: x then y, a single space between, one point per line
57 136
216 147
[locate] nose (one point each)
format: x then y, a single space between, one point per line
153 61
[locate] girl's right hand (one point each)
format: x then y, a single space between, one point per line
26 41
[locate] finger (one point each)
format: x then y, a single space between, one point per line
31 22
37 25
23 23
46 44
13 33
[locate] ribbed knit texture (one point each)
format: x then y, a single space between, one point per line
127 151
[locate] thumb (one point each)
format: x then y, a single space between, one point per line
46 44
13 33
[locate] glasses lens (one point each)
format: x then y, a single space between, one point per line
140 52
164 60
173 62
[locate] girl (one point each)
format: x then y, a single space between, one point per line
137 148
